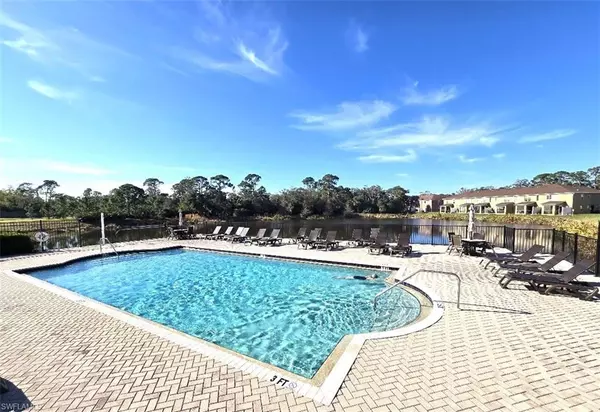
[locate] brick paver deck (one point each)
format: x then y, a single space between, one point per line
511 350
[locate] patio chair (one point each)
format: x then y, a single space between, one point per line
313 236
329 243
242 236
300 236
402 247
356 238
549 282
190 232
379 246
456 245
529 267
259 236
478 236
272 240
526 256
450 234
210 235
238 232
372 237
226 233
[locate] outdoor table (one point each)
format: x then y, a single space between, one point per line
180 233
470 245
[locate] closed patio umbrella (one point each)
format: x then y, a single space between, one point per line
180 218
471 225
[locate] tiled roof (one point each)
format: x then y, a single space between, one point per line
524 191
429 196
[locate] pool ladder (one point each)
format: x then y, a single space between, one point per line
104 241
416 273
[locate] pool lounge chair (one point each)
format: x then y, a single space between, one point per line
226 233
238 232
242 236
259 236
329 243
526 256
300 236
549 282
356 238
379 246
313 236
402 247
271 240
372 237
530 267
210 235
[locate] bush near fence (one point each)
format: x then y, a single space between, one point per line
15 244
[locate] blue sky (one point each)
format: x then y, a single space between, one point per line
426 95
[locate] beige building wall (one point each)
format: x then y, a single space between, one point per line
579 202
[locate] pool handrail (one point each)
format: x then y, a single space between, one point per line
401 282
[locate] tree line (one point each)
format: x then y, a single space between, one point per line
213 198
588 178
218 198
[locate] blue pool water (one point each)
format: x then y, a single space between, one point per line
288 314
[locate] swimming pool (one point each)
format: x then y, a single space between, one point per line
288 314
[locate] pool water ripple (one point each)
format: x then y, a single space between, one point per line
285 313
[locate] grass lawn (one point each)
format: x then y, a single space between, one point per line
32 219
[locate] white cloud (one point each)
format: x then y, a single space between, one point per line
63 46
52 92
553 135
435 97
347 116
409 156
465 159
499 155
252 47
71 168
429 131
357 37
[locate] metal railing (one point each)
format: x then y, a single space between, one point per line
401 282
104 241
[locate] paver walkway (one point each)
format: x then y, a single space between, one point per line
510 350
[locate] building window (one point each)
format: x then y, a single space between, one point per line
537 197
581 195
548 197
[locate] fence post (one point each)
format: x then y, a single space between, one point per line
564 235
79 232
553 238
598 251
431 233
504 245
41 230
514 237
575 241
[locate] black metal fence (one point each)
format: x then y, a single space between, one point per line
73 233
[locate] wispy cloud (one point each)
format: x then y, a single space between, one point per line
409 156
346 116
499 155
72 168
252 47
553 135
402 174
357 37
52 92
429 131
465 159
63 46
412 96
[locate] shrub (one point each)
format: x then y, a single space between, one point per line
15 245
